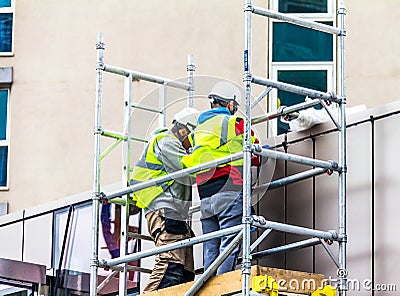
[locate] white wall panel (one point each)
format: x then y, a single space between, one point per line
11 236
387 205
38 240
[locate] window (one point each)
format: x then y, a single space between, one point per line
4 143
291 43
6 26
304 6
299 55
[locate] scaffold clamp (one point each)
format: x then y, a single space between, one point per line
265 284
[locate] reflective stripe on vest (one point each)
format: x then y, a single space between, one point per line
147 168
215 138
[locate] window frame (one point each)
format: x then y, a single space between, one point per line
6 142
274 67
10 9
314 66
326 16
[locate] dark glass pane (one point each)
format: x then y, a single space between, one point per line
303 6
313 79
6 23
292 43
5 3
3 114
3 165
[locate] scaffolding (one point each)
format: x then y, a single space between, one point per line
242 231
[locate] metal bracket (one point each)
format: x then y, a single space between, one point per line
248 7
100 196
247 220
342 238
98 131
247 77
334 234
100 45
94 262
342 100
247 148
259 219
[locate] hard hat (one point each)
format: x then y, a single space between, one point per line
187 117
225 91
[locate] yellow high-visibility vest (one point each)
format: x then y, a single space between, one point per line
213 139
147 168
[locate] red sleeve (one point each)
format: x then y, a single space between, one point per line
240 129
255 159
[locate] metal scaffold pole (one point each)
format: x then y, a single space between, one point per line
342 271
126 169
190 70
246 262
96 179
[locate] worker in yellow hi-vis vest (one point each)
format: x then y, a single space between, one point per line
166 206
219 133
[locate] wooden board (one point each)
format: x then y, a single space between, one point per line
290 281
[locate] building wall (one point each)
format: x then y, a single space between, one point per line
53 90
36 235
371 200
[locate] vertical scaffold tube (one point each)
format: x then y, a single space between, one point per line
126 168
96 178
162 102
246 262
342 271
190 69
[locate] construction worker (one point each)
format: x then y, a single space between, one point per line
166 206
219 134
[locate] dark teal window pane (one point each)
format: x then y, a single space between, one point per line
303 6
5 3
313 79
6 23
292 43
3 113
3 165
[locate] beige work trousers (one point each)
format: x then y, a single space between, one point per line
184 256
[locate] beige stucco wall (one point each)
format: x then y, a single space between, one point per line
53 93
372 62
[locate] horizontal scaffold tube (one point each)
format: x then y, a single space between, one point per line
330 165
289 247
146 77
285 110
277 183
295 89
119 136
289 180
146 108
297 21
180 244
260 221
174 175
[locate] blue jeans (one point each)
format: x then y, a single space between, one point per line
216 216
